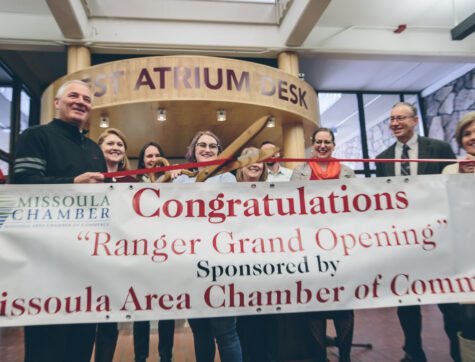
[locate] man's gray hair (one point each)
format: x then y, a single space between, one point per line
65 85
411 106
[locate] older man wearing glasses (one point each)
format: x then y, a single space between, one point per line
409 145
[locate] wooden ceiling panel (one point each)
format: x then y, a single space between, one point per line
185 118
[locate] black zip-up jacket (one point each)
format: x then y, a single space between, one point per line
55 153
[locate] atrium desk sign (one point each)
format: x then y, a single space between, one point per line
178 78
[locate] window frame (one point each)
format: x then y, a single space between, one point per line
362 118
17 86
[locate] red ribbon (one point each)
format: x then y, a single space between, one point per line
280 159
164 168
367 160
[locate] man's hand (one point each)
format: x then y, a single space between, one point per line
89 178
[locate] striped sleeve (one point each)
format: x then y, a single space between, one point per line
32 164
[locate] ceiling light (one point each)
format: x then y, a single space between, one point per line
221 115
104 122
161 114
271 122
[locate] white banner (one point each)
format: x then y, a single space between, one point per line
86 253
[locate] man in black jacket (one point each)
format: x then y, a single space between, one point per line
409 145
56 153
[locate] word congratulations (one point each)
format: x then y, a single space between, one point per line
218 209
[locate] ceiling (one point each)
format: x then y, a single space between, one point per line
343 45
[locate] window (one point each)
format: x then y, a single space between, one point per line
6 94
339 112
351 113
414 100
377 108
15 113
24 110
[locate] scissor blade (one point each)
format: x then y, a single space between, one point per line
248 159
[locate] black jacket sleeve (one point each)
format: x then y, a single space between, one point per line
379 168
446 152
31 160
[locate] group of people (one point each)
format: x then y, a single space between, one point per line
60 152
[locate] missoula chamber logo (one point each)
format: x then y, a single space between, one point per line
53 210
7 204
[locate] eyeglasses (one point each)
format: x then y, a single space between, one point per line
211 146
399 118
319 142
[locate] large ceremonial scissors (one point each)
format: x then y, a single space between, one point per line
230 163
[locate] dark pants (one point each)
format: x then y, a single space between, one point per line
59 343
411 323
166 331
468 321
344 326
205 330
258 338
106 341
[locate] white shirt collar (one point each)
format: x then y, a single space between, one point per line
411 143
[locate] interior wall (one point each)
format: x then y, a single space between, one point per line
445 106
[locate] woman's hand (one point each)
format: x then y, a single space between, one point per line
169 176
174 173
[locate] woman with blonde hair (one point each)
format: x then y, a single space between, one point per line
252 173
465 136
255 331
114 146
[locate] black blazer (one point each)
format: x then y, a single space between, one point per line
428 148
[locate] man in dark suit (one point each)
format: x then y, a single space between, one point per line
409 145
59 153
